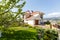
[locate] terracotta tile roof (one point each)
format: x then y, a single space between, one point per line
36 12
30 15
29 18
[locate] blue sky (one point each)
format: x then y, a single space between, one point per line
47 6
51 8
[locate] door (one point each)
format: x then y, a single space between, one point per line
36 22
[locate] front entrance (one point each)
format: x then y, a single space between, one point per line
36 22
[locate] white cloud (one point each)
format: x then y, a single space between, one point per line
54 14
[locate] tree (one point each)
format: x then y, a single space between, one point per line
7 16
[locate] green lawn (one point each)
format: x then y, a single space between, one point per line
27 33
19 33
22 28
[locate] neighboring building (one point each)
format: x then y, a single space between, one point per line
33 18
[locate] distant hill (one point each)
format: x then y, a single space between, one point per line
53 18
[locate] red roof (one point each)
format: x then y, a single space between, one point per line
30 15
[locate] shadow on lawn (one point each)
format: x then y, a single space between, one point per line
18 35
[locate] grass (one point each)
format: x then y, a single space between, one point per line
27 33
19 33
22 28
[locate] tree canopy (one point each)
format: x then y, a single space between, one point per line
7 16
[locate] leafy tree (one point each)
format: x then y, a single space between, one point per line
7 16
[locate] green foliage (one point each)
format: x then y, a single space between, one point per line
51 35
14 24
48 34
47 22
27 25
7 17
22 33
17 35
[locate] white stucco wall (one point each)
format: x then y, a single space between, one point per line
30 22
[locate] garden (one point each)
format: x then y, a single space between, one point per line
28 33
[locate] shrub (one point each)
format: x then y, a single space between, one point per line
27 25
14 24
18 35
47 22
48 34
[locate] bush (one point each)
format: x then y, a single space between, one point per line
18 34
27 25
47 22
48 34
51 35
14 24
